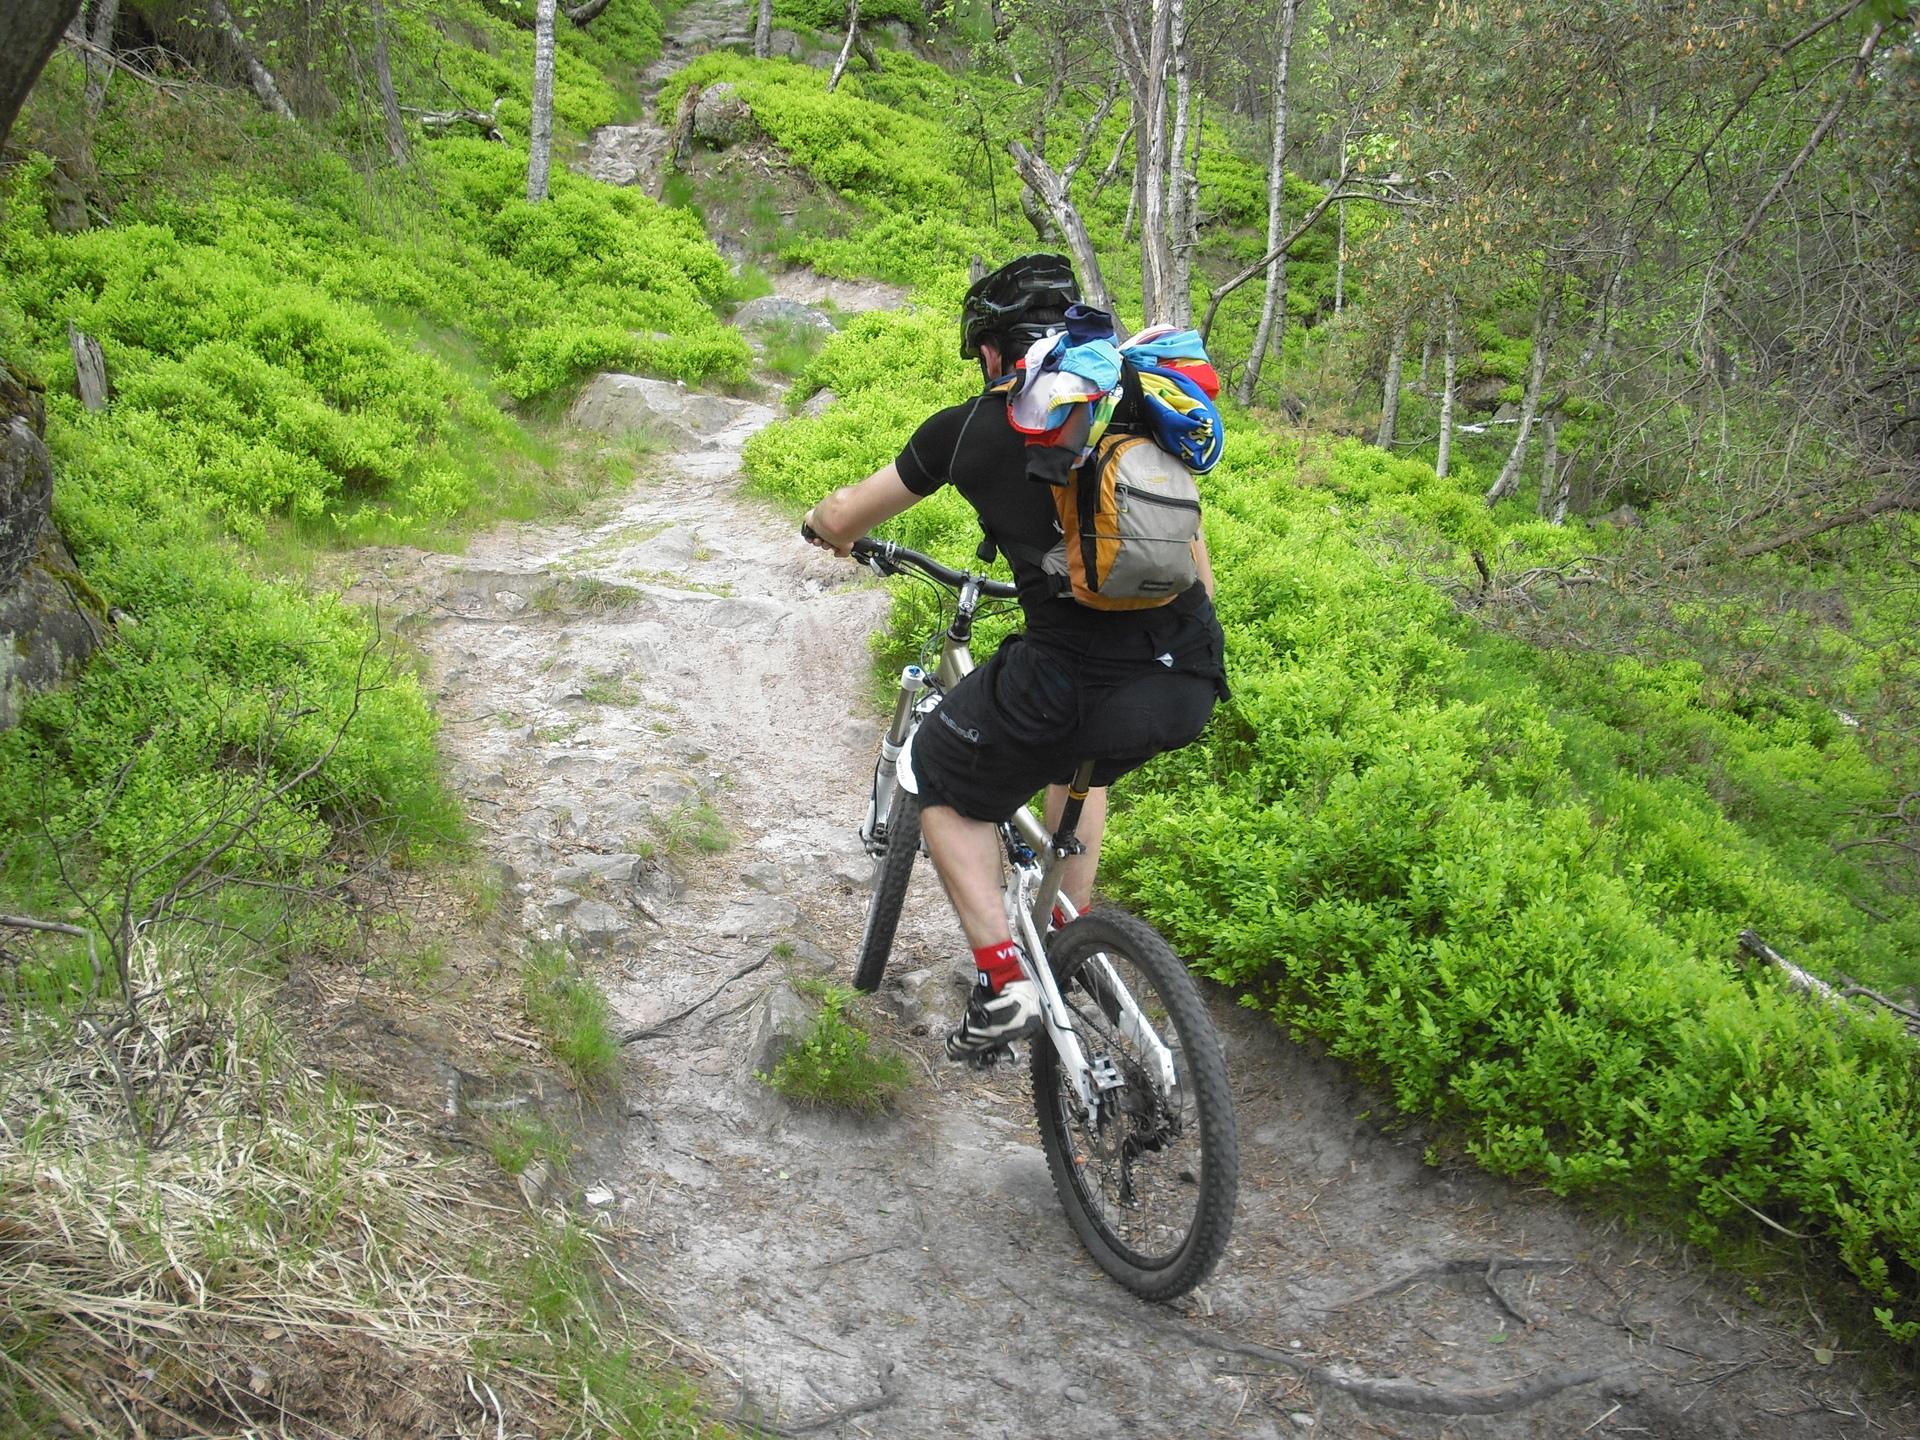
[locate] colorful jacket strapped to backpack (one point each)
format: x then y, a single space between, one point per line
1126 501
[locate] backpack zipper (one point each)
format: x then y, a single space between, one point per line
1154 499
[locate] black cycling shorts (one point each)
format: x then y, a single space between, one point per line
1032 713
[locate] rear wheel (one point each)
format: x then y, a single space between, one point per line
889 891
1150 1178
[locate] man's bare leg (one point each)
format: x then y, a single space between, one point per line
966 854
1004 1005
1077 878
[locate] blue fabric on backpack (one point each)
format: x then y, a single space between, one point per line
1185 423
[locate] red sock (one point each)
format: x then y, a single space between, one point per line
999 965
1060 916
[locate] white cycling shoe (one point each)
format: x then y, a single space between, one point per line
993 1022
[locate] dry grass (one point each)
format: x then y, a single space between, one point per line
199 1236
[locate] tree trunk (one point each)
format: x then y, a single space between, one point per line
582 15
1449 370
1156 261
846 50
34 27
1543 326
383 80
1340 258
1340 241
1051 190
540 155
1045 231
1390 397
1426 350
763 30
1179 297
258 75
1556 477
1550 492
100 23
1273 309
89 369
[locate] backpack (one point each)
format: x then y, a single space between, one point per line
1126 498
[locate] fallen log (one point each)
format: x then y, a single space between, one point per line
1811 984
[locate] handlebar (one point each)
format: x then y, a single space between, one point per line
889 557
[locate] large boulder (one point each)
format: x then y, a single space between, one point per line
50 618
634 404
722 118
779 312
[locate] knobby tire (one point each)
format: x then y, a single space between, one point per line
889 891
1151 1192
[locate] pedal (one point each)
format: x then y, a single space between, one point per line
987 1059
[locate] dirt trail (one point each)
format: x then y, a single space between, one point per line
913 1276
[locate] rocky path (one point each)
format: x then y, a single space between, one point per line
682 667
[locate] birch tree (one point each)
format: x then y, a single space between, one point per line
1182 219
1049 192
540 149
1449 378
846 49
1390 394
98 21
1271 328
258 75
383 81
1143 39
1545 319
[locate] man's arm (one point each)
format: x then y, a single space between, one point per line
852 510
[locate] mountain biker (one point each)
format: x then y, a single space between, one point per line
1119 685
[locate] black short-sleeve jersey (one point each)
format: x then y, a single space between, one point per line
974 448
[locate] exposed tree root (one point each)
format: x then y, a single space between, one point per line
1486 1270
889 1393
652 1030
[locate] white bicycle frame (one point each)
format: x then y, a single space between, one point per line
1031 892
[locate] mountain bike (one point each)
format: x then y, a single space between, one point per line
1128 1075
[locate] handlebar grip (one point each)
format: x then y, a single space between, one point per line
807 532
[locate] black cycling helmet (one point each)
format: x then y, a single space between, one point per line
1019 302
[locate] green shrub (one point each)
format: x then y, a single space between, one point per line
833 1065
571 1012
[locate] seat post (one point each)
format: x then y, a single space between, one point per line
1065 842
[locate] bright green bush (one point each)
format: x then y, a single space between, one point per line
833 1064
250 328
831 15
843 140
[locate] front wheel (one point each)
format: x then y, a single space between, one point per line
889 891
1150 1178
